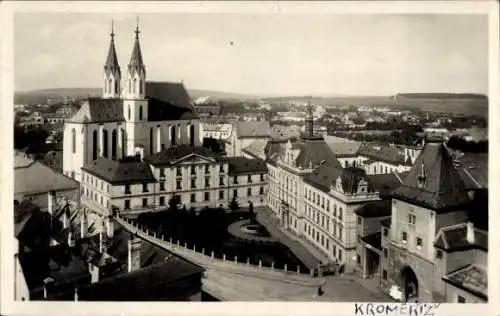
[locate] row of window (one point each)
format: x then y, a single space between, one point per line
320 239
319 201
95 182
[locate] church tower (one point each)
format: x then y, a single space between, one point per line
112 72
134 102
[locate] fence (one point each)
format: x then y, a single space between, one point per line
202 257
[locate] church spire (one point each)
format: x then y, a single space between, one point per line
112 65
136 64
309 120
112 72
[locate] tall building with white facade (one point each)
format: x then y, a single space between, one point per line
132 115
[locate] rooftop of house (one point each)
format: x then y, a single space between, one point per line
382 152
454 238
242 166
433 181
381 208
326 175
374 240
256 148
343 147
471 278
386 222
32 177
175 154
312 151
120 172
384 183
253 129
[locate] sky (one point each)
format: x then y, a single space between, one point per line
263 54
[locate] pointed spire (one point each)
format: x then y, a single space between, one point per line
112 65
309 120
136 63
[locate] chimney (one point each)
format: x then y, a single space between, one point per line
71 239
134 253
471 238
110 227
47 286
94 273
83 224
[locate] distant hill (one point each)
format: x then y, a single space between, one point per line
441 96
41 96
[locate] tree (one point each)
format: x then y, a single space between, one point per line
251 211
174 202
234 205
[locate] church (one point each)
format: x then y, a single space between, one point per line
133 116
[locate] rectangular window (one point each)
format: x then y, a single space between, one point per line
328 206
179 172
359 220
127 204
207 168
335 210
235 193
162 200
404 237
340 255
235 180
460 299
193 183
439 254
384 274
127 188
261 178
340 213
221 180
221 195
178 185
221 168
249 191
193 197
107 188
327 243
261 190
162 172
386 232
144 202
193 170
145 187
358 259
385 252
249 179
207 196
411 219
419 243
207 182
162 186
340 232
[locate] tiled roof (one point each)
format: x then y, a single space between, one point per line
454 238
169 92
99 110
120 172
326 175
471 278
159 110
256 148
253 129
380 208
273 149
313 152
31 177
171 155
374 240
242 165
380 152
136 64
343 147
384 183
442 189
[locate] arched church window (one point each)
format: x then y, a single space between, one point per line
117 89
191 135
94 145
128 113
110 85
129 86
140 86
105 143
140 112
113 144
172 135
123 142
105 86
134 85
151 140
73 140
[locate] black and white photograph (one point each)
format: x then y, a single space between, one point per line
267 154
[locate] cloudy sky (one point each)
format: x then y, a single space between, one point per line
271 54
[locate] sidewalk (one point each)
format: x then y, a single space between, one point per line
310 256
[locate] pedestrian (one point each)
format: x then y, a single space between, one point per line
320 291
